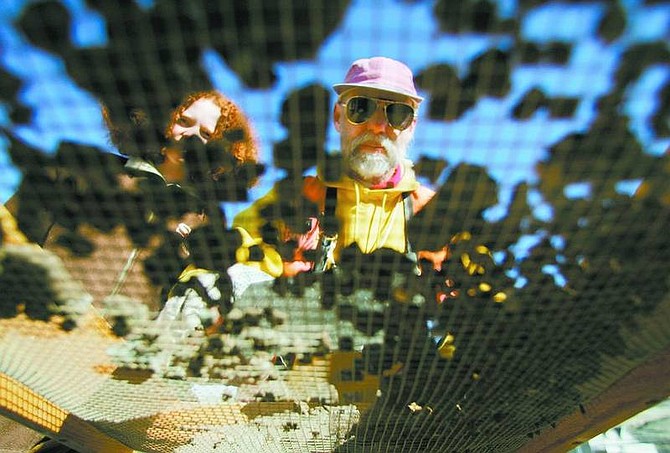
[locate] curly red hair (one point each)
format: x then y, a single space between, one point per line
232 119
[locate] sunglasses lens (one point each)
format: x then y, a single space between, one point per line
399 115
360 109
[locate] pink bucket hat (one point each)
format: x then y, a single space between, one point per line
380 73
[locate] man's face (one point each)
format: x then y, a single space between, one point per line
372 149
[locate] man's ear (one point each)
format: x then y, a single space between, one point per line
337 111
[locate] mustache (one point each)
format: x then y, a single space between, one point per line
373 139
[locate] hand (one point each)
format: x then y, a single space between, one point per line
187 223
183 230
436 258
293 268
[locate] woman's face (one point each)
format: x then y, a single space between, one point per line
198 120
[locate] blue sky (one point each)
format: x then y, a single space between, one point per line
485 135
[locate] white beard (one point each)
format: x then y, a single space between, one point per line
373 168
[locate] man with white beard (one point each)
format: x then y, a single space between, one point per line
376 193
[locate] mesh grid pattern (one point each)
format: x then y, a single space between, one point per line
544 132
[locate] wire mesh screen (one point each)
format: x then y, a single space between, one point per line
155 291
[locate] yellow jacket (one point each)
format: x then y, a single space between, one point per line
370 218
377 218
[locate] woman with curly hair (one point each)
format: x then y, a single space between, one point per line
207 150
209 154
210 117
129 215
204 119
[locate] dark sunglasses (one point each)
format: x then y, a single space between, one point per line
359 109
